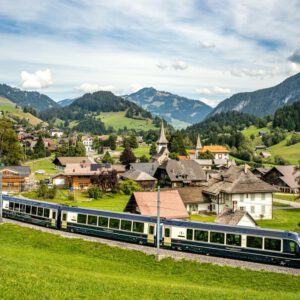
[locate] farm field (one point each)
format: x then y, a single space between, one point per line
46 266
10 107
117 120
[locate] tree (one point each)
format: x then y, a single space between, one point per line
39 148
112 139
10 149
130 141
176 144
144 158
129 186
153 149
45 192
79 149
127 156
107 158
280 160
206 155
94 192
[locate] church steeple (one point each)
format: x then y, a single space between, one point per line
162 141
198 143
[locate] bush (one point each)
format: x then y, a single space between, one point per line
144 159
94 192
280 160
45 192
71 197
129 186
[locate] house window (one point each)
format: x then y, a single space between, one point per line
252 197
252 209
242 197
263 196
263 209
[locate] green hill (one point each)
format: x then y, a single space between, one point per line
12 111
38 265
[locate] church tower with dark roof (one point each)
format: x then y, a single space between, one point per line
162 142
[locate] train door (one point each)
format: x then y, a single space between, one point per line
151 230
167 236
53 217
64 220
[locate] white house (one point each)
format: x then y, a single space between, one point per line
87 141
238 188
56 133
219 152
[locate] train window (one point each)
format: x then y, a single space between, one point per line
114 223
54 215
28 209
33 210
138 227
17 206
151 229
64 216
126 225
103 222
189 234
40 211
167 232
81 219
254 242
217 237
22 207
200 235
292 246
92 220
46 212
11 206
272 244
233 239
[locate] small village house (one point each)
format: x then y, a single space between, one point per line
56 133
235 218
15 178
87 141
144 180
61 162
145 203
219 152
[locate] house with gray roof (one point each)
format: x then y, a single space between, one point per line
237 218
146 181
149 167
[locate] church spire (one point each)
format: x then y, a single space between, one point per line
162 139
198 144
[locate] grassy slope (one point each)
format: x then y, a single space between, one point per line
138 152
117 120
10 107
38 265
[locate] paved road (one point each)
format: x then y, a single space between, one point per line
168 253
291 203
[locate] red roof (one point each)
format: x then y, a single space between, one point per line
171 204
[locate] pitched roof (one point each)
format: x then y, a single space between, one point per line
72 160
198 143
183 170
215 149
86 169
237 179
20 170
193 194
171 205
162 138
289 175
138 175
204 162
150 168
230 217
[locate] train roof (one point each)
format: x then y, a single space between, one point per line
32 202
110 214
235 229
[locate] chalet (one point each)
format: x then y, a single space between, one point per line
173 173
150 168
206 164
265 154
87 141
145 181
238 188
260 172
145 203
79 176
219 152
236 218
15 178
260 147
61 162
284 178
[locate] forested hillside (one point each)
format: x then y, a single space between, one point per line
288 117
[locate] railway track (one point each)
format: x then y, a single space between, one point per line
167 253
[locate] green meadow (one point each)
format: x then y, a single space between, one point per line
36 265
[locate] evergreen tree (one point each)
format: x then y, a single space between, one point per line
153 149
206 155
176 144
10 149
39 148
127 156
107 158
112 139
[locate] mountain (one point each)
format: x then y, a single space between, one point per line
178 111
66 102
35 100
263 102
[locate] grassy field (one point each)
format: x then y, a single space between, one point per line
138 152
254 130
38 265
203 218
10 107
288 197
283 219
113 202
117 120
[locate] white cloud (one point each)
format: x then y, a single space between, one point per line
39 80
213 91
210 102
92 88
179 65
135 87
162 65
207 45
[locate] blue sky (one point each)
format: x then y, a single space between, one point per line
204 50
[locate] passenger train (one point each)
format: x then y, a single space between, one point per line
237 242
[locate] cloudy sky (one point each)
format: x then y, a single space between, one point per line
205 50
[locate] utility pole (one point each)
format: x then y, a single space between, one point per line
158 224
1 202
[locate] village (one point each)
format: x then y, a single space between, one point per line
213 189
